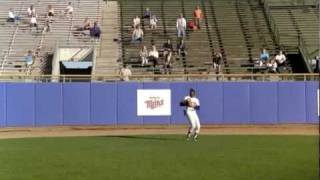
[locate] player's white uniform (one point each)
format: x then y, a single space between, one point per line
192 115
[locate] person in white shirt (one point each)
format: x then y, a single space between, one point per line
50 11
137 35
31 11
192 104
125 73
11 16
69 9
272 66
153 22
181 26
280 58
33 22
136 22
144 55
154 56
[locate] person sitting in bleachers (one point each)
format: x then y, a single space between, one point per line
272 66
153 22
167 50
263 59
198 16
69 9
144 55
181 48
181 26
147 14
47 25
85 26
33 22
95 31
136 22
50 12
11 16
167 65
154 56
280 58
29 58
192 25
316 63
125 73
31 11
217 62
137 35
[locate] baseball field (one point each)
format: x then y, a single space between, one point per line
159 157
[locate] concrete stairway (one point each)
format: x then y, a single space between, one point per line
109 52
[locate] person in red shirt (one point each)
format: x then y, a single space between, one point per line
197 16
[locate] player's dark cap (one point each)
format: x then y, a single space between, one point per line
192 90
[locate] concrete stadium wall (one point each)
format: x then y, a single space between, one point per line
45 104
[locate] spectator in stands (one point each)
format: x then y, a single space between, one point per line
31 11
50 12
167 50
153 22
137 35
181 48
29 58
11 16
33 22
316 64
198 16
192 25
69 9
144 55
217 62
272 66
280 58
167 66
147 14
95 31
47 25
154 56
181 26
136 22
264 56
85 26
125 73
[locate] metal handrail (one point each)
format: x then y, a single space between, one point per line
160 77
305 52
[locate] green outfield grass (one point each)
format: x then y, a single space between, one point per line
160 158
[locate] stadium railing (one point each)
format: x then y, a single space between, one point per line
162 77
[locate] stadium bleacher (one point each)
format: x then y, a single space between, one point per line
237 29
17 39
293 22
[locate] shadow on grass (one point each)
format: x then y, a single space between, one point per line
152 138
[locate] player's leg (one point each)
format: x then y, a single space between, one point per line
197 126
192 124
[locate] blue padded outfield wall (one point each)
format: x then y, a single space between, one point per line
45 104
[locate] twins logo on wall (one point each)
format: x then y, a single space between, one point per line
154 102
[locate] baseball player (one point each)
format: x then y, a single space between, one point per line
192 105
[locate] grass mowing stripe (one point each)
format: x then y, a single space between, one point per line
223 157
